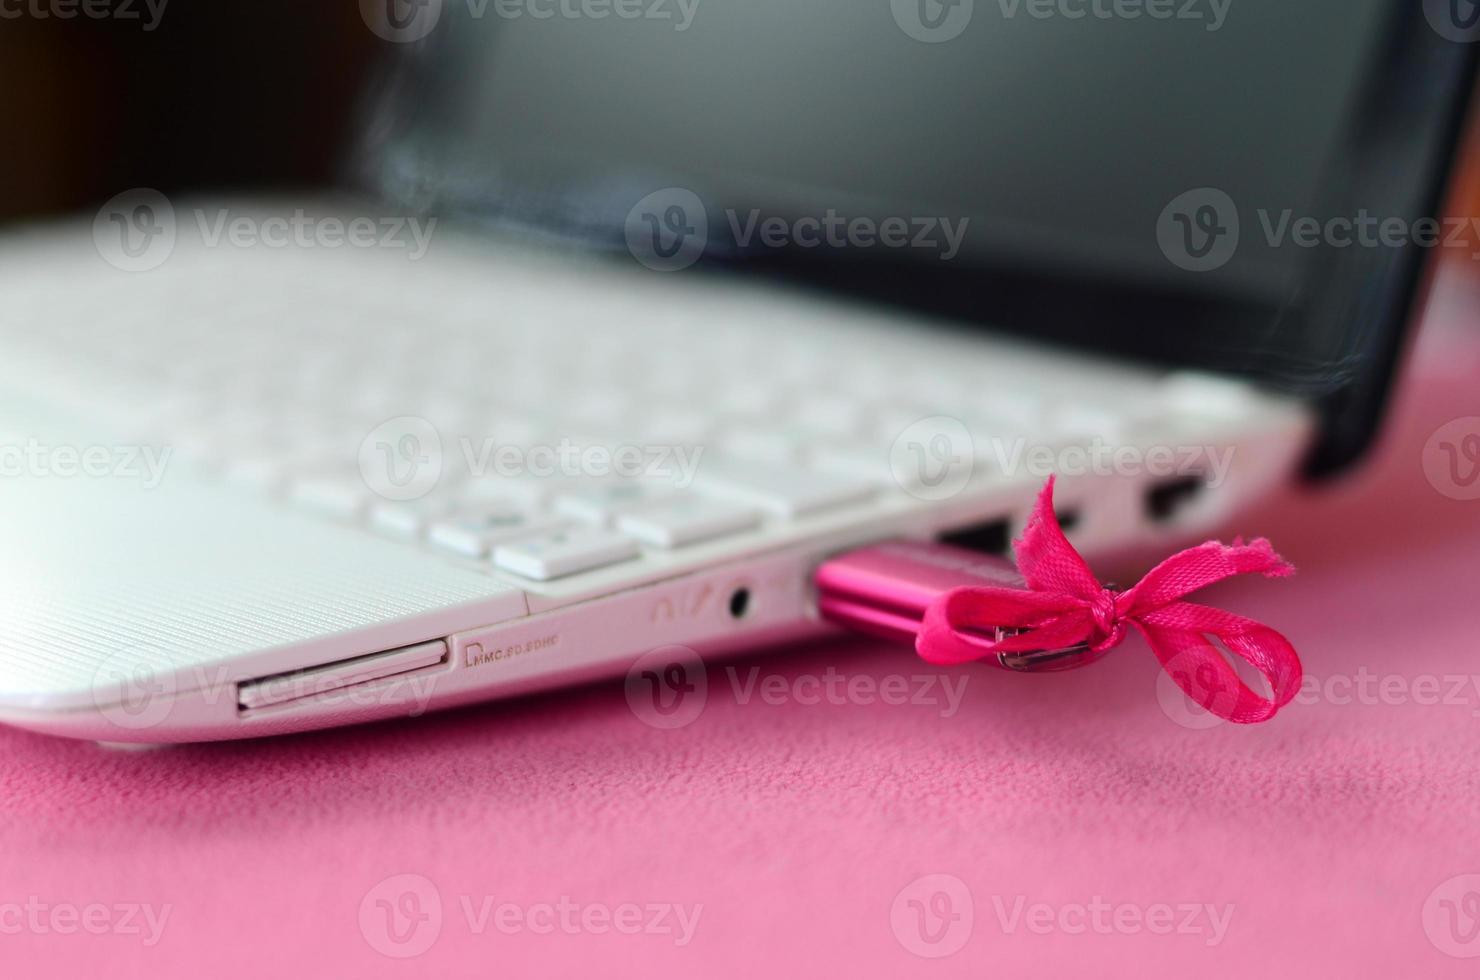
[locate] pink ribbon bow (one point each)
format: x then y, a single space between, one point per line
1064 605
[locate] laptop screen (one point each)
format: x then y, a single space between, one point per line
1175 153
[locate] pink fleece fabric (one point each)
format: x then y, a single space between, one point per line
1048 827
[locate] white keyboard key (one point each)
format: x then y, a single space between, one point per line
500 428
1085 423
260 473
787 492
829 415
858 459
1202 394
342 498
773 446
895 423
1020 407
675 427
528 492
687 520
747 400
564 553
475 535
597 406
406 520
603 503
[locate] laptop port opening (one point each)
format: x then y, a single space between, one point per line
1168 500
289 687
990 537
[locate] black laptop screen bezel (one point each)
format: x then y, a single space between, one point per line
1354 305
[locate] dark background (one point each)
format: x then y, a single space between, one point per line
266 95
223 94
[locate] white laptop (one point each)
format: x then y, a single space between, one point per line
627 328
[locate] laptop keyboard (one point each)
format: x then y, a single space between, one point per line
275 377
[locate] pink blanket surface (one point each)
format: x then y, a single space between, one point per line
844 810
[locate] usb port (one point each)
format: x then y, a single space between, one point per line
1165 501
992 537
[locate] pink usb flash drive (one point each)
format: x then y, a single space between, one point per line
957 606
884 591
